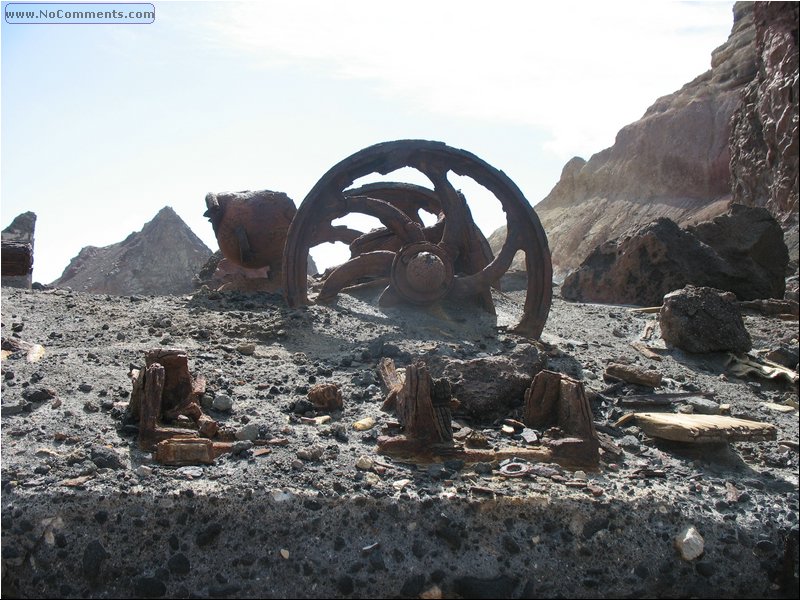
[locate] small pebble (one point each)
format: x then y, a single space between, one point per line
689 543
246 349
365 463
364 424
222 403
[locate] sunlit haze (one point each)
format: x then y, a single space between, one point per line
103 125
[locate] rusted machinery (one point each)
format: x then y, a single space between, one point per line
422 265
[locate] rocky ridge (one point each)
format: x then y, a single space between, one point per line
162 258
673 162
765 127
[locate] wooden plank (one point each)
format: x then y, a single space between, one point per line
703 428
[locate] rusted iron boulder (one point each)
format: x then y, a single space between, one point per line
251 227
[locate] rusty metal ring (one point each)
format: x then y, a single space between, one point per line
516 469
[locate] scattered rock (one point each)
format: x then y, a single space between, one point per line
703 320
501 586
325 396
106 458
247 349
365 463
39 394
222 403
689 543
491 386
149 587
314 452
741 252
703 406
93 557
364 424
178 564
248 432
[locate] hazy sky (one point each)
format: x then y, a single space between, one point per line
102 125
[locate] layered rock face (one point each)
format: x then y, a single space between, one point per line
162 258
673 162
742 252
764 137
18 254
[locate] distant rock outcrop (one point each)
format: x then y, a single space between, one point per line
160 259
673 162
18 251
741 252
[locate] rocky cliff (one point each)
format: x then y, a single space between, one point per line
764 134
673 162
162 258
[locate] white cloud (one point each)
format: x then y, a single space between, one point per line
577 70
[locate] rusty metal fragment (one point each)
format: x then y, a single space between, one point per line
164 391
558 405
179 451
554 403
423 264
326 396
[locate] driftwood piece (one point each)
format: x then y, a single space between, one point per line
771 306
16 258
703 428
393 382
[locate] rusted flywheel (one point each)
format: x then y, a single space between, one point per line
423 264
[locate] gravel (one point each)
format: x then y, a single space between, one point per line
453 529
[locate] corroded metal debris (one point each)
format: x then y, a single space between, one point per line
422 264
251 227
555 404
166 392
558 405
326 396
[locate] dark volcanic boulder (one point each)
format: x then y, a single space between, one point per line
751 240
701 319
491 386
741 252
